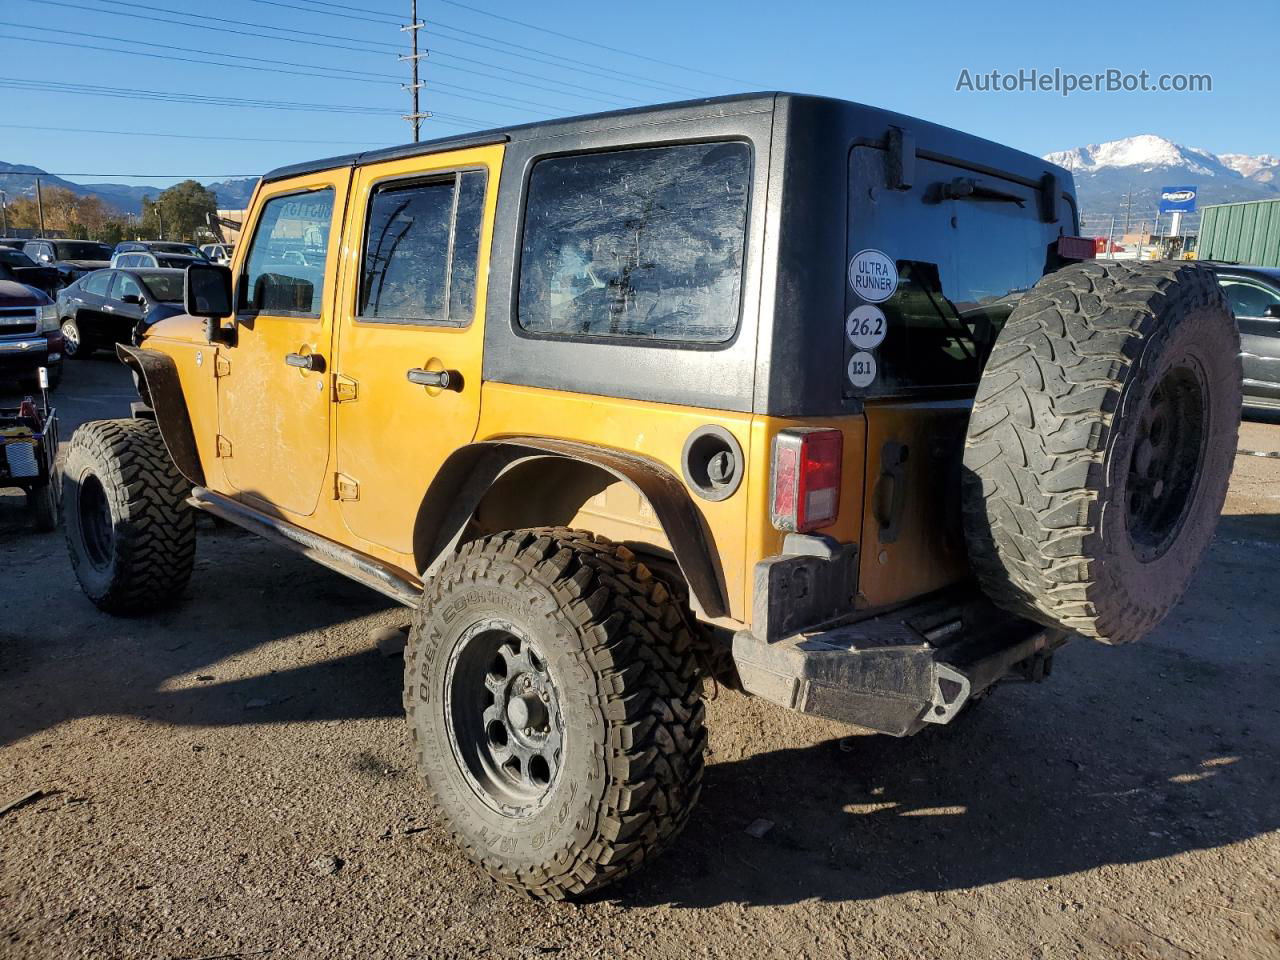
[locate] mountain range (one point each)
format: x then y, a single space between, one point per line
20 179
1106 172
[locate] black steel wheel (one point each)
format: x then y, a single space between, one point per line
555 703
503 710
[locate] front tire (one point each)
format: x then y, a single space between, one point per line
131 536
555 704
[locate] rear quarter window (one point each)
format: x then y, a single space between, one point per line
643 244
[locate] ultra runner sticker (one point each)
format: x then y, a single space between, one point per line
862 369
873 275
865 327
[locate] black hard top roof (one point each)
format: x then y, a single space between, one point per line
735 105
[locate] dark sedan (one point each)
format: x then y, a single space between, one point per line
103 309
1254 295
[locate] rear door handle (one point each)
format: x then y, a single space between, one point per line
442 379
108 308
305 361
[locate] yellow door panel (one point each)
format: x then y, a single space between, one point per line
273 403
411 304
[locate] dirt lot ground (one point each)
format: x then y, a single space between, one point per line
200 766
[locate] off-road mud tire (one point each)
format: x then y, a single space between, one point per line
619 646
1064 404
131 536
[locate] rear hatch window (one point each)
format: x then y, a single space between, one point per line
933 272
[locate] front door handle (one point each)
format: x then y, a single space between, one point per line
442 379
305 361
108 308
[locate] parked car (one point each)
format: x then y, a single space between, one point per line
71 258
1254 295
146 258
29 336
16 265
218 252
159 246
105 307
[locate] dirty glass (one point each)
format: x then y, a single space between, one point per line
420 251
962 264
284 272
644 243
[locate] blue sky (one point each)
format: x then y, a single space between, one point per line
485 71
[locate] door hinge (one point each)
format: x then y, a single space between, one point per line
344 388
221 366
224 446
345 488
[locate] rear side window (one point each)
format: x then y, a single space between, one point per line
639 244
96 283
123 286
422 241
284 272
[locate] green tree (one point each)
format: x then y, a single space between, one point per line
179 211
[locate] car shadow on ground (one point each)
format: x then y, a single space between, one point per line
178 666
1125 755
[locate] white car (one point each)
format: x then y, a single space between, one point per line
218 252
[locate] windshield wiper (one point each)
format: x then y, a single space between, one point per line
967 188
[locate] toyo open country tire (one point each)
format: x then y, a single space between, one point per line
1100 445
555 706
131 536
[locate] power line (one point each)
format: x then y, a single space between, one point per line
565 64
132 176
361 74
593 43
182 136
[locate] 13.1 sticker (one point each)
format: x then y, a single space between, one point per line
865 327
862 369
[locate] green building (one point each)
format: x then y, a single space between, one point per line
1241 233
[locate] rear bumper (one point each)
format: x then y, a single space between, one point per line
896 672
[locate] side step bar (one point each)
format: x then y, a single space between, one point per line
896 672
375 574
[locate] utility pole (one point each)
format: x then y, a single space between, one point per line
1128 204
4 210
415 116
40 205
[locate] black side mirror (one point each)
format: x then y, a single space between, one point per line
1272 312
132 298
207 293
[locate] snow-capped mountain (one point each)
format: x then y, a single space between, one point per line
1106 174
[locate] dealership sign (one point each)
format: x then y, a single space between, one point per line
1177 198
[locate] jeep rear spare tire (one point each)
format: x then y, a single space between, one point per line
555 705
131 536
1101 444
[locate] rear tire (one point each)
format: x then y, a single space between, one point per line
131 536
555 705
1101 444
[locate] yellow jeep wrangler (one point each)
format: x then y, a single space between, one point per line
824 402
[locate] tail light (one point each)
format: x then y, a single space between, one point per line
806 479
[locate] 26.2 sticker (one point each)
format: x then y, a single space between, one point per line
866 327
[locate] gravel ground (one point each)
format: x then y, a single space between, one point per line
233 779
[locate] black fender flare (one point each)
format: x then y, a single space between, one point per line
470 471
160 374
